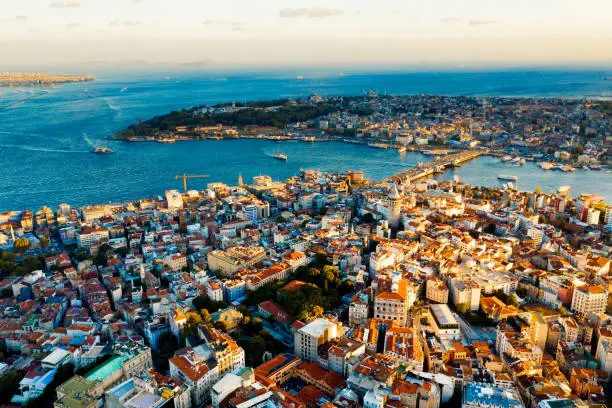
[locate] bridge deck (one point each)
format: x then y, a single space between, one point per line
435 166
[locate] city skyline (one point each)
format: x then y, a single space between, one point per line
239 33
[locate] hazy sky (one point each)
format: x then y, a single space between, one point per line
297 32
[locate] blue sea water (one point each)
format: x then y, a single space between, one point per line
45 135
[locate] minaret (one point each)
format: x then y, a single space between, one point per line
395 206
240 183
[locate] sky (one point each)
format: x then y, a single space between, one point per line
276 33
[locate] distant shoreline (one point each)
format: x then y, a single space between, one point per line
15 79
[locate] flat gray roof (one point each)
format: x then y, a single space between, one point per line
443 314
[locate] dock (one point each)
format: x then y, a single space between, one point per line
434 167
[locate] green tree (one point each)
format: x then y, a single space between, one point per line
44 242
31 263
9 383
222 325
103 253
205 315
21 245
204 302
463 308
191 327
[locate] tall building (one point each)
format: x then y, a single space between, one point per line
174 199
308 339
392 301
395 206
358 308
234 258
436 290
193 367
590 298
608 218
86 237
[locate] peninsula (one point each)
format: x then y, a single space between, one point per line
557 133
9 79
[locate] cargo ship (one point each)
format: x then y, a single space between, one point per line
280 156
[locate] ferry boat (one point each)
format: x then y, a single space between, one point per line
546 165
505 177
101 150
280 156
378 145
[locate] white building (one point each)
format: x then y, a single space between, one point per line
242 377
374 399
604 356
308 339
174 199
358 308
443 322
86 237
191 368
590 299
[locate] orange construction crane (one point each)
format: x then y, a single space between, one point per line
190 176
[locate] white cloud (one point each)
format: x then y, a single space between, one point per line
126 23
313 12
66 4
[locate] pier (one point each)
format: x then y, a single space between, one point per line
434 167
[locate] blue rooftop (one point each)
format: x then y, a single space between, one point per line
489 395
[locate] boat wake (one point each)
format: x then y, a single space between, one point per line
88 141
123 90
41 149
20 101
110 105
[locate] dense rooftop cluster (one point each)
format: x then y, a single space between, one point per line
578 131
326 290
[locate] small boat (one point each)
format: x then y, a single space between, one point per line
516 160
506 158
585 167
280 156
523 161
546 165
299 77
596 167
401 149
167 140
505 177
567 168
101 150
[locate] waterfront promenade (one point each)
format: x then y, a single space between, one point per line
434 167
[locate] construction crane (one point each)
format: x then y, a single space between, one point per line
190 176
